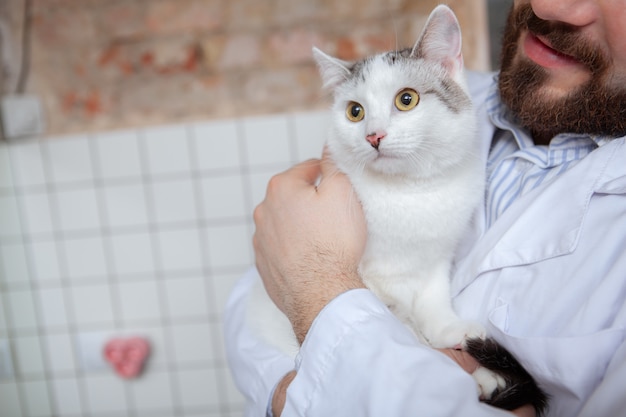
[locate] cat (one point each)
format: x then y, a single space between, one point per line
404 131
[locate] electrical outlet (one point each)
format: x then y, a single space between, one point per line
6 364
22 116
90 350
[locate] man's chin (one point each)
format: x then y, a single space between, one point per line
559 82
559 86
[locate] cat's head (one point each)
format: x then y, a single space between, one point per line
402 112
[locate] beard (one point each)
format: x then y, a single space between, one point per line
596 107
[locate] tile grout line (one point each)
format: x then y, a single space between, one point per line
208 277
112 279
59 239
154 230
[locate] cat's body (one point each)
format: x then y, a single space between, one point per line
403 130
415 169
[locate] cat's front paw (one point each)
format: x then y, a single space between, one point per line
457 333
487 382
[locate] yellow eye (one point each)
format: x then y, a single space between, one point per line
407 99
355 112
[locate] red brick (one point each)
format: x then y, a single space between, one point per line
240 51
123 20
63 29
184 16
294 46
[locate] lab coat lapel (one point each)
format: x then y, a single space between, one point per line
543 224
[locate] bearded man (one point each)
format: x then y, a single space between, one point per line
543 270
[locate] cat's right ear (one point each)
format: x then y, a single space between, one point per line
440 41
333 70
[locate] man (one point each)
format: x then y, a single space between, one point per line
544 271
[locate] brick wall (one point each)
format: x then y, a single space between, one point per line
103 64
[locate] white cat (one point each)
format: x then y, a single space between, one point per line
404 131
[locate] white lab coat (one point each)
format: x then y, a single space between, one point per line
548 279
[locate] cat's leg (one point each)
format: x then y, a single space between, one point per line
487 382
441 327
268 323
434 317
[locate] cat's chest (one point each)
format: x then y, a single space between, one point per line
401 208
400 198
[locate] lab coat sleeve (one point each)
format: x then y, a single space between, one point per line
359 360
256 366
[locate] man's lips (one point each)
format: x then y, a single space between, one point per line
539 51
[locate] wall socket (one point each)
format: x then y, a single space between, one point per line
90 346
22 116
6 364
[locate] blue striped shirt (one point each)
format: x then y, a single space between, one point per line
516 165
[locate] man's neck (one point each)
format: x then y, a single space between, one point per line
542 138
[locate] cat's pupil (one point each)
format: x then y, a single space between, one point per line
406 99
356 111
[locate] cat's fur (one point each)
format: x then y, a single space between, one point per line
420 186
417 175
519 387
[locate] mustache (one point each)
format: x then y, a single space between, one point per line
564 38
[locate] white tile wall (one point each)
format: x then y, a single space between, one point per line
167 150
10 399
214 147
132 254
10 224
105 394
27 164
36 398
21 309
13 258
66 394
29 356
135 232
152 394
52 308
85 258
60 356
119 156
125 205
45 262
37 213
69 160
78 210
139 301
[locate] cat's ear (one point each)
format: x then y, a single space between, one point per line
441 40
333 70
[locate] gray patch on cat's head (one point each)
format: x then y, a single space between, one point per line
392 56
434 79
358 70
452 95
447 90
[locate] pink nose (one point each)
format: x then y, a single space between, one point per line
375 138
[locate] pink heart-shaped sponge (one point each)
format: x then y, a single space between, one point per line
127 356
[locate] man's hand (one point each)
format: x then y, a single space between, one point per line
280 394
309 240
525 411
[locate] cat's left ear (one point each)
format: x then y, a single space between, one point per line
441 41
333 70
